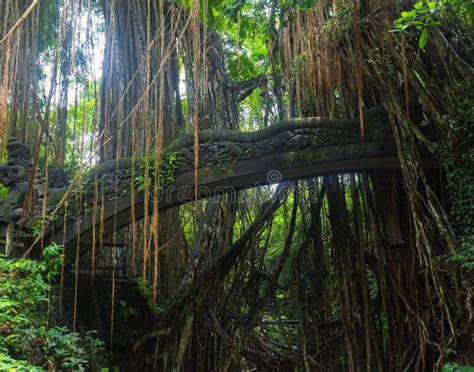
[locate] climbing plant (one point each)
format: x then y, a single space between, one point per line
167 169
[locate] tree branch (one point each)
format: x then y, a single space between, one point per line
215 272
245 88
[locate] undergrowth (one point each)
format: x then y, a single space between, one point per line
27 341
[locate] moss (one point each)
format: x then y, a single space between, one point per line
310 156
55 195
123 163
9 204
300 123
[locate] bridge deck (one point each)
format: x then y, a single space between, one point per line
228 161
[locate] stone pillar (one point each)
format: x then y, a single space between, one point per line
9 241
389 188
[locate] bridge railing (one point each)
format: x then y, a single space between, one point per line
110 260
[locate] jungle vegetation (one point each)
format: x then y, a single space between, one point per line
360 271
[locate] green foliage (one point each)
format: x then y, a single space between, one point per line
426 14
462 9
465 256
422 16
250 112
80 121
244 28
339 24
48 25
36 225
70 350
3 192
290 6
24 295
457 154
147 292
9 364
125 312
454 367
168 165
52 260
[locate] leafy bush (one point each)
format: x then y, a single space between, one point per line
9 364
422 16
426 14
26 341
457 155
454 367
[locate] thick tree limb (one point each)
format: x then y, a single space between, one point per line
215 272
20 21
245 88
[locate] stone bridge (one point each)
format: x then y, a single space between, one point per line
228 160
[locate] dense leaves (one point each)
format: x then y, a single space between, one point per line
25 333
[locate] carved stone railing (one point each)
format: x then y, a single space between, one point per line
228 160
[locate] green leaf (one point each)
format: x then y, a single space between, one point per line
418 5
423 38
450 351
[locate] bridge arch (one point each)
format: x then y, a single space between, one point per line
231 160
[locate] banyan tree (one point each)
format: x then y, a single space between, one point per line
237 185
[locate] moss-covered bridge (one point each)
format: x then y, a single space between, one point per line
228 160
